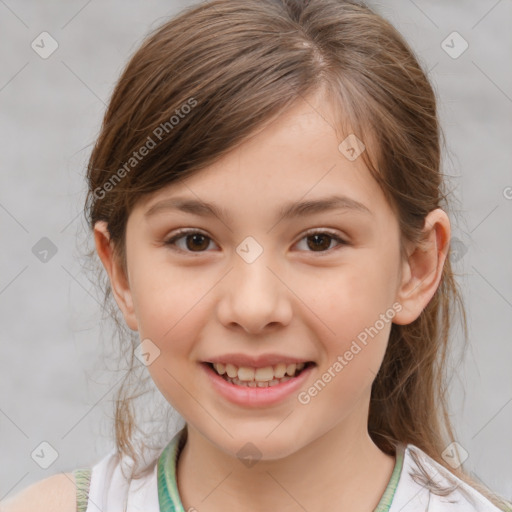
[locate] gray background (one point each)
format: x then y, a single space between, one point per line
55 383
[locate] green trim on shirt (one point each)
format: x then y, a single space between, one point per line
387 498
169 497
82 482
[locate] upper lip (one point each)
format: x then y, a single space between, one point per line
255 361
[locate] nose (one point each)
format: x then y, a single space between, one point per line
254 297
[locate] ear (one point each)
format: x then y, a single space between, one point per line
422 271
118 279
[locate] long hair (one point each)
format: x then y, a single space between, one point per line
204 81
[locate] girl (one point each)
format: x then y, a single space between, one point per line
267 201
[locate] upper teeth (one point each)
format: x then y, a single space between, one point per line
267 373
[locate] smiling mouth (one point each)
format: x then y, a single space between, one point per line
259 377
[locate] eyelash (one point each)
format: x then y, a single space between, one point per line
183 232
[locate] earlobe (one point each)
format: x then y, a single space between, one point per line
422 272
118 279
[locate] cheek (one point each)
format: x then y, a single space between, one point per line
166 299
173 322
356 307
354 297
354 354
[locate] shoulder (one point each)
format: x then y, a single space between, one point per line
56 493
426 483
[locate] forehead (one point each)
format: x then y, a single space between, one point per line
297 156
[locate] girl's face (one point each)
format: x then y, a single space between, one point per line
250 280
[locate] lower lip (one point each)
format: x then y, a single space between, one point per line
256 397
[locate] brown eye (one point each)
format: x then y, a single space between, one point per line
195 241
320 241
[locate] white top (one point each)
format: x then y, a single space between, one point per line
412 496
406 492
110 491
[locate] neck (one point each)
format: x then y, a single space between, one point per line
342 466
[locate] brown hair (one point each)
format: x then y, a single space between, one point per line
204 81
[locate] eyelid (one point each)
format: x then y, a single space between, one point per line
327 231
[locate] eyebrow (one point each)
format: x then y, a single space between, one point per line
288 211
